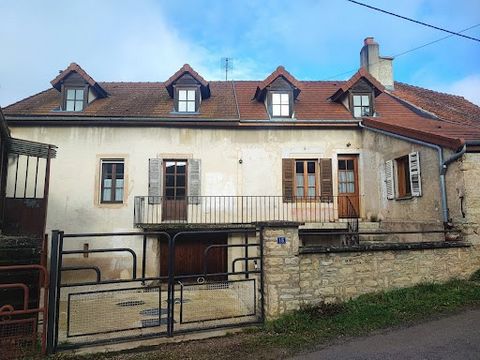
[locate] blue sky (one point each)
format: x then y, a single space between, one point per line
148 40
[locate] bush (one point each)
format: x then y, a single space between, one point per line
475 276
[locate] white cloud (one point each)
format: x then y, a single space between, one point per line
468 87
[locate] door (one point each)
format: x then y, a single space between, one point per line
190 259
348 194
174 194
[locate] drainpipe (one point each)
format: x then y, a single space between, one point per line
443 165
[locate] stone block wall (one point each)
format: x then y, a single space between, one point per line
296 276
333 277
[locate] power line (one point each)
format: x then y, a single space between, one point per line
406 51
415 21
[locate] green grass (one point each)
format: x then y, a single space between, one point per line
310 326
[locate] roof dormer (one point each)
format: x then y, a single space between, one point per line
78 89
188 89
358 94
279 91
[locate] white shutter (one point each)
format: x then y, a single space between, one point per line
389 179
194 181
415 178
154 181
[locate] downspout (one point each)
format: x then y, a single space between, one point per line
443 165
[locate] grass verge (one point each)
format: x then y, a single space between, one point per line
311 326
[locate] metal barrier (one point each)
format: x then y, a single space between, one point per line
150 210
19 327
133 304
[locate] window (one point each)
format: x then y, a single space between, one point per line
186 100
306 178
175 179
112 181
280 105
346 176
361 105
402 177
74 100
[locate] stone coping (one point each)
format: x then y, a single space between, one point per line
384 247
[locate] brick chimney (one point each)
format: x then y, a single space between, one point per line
380 67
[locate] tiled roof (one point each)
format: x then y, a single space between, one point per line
362 73
429 115
446 106
73 67
279 71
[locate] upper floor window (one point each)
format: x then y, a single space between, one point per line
74 100
306 178
112 181
361 104
280 105
186 100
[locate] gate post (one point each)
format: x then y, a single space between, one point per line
281 268
52 293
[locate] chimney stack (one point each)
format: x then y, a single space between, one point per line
380 67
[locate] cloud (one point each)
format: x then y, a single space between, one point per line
468 87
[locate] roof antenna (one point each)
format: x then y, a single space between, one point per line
226 64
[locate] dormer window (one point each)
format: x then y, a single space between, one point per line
358 94
280 105
361 105
74 100
186 101
77 89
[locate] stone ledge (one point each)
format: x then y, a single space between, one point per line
280 224
384 247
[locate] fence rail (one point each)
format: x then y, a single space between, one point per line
242 209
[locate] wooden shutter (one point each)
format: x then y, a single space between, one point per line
326 182
389 182
154 181
194 181
288 166
415 178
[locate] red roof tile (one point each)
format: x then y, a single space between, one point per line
279 71
362 73
73 67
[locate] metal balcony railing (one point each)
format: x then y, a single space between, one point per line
151 210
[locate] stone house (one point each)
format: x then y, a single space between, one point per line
334 159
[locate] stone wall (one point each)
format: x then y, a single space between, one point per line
340 276
296 276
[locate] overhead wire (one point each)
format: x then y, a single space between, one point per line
406 51
415 21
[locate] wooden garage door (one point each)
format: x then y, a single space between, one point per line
189 259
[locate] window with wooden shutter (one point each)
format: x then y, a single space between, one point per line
194 181
389 182
288 179
154 181
326 182
415 177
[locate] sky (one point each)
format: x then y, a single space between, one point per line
148 40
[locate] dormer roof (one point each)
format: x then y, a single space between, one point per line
73 67
362 73
280 71
187 69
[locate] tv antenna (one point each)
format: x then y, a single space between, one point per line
226 65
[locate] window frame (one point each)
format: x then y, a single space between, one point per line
403 188
353 95
195 101
114 187
281 104
75 100
175 175
305 195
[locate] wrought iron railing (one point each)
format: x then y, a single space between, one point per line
242 209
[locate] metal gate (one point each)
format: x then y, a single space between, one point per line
107 287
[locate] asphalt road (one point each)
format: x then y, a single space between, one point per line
452 337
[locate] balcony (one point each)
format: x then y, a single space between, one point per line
230 210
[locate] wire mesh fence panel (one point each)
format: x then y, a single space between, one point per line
218 301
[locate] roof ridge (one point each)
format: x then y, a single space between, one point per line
434 91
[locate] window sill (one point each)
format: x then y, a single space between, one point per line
184 113
408 197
